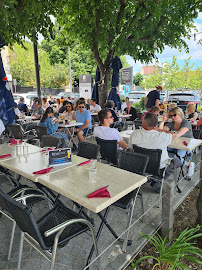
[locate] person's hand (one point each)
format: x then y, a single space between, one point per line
166 117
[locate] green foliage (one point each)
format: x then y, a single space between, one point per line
23 70
137 79
169 253
174 77
139 106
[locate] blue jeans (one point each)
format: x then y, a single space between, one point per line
63 136
180 153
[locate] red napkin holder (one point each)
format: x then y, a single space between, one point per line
43 171
13 142
100 193
185 143
4 156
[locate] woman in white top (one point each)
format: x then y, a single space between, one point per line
69 112
45 104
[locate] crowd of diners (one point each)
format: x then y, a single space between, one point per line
154 134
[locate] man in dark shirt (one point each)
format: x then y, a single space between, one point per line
64 106
152 99
22 106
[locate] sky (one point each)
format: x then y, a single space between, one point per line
195 51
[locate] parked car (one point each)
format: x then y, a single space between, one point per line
135 96
183 98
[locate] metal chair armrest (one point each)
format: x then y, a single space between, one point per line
25 197
24 189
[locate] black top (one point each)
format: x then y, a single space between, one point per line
152 97
133 112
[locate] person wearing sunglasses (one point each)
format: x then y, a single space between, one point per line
105 132
69 112
83 116
182 128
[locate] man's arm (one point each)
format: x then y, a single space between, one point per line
123 145
87 122
145 101
157 103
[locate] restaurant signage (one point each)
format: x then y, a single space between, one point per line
85 86
60 157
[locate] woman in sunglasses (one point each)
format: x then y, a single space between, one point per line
83 116
69 112
182 128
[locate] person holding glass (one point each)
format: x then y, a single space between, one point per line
46 121
182 128
69 111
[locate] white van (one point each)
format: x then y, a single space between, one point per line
135 96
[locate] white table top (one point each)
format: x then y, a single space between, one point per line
192 143
27 118
74 184
6 148
124 115
74 124
94 113
25 166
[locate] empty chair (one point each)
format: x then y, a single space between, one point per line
52 230
19 134
136 163
108 150
139 115
196 133
50 141
153 166
138 124
200 132
88 150
41 131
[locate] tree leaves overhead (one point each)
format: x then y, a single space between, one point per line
20 18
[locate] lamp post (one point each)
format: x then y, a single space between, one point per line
70 71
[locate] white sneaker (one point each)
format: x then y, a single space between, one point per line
191 169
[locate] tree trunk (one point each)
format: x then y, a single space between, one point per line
199 207
103 87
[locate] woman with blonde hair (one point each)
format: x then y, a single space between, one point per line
191 113
172 105
182 128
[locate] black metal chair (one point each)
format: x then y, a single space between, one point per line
136 163
88 150
108 150
52 230
19 134
50 141
40 131
138 124
196 133
20 193
200 132
153 166
139 115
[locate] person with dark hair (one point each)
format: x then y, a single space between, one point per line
86 104
64 106
105 132
69 111
38 111
83 116
22 106
52 128
45 104
152 99
110 105
130 110
94 107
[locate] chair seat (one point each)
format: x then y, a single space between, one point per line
56 216
125 202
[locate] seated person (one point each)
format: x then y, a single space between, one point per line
110 105
69 111
191 113
94 107
52 128
124 105
87 106
105 132
38 110
130 110
22 106
150 138
64 106
182 128
153 109
199 122
83 116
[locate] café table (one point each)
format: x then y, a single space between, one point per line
94 113
74 184
124 116
71 124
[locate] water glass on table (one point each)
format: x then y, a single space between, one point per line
25 149
18 148
92 171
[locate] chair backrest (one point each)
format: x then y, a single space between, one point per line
49 141
200 132
153 166
108 150
23 216
139 115
138 123
132 162
41 131
16 131
88 150
196 133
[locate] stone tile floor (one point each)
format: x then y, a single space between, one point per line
74 255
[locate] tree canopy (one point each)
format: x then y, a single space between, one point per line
117 27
